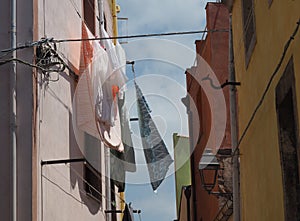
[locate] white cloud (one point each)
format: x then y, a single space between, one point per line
162 50
175 15
157 16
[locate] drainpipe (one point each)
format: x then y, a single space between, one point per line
13 107
115 34
186 102
234 130
107 182
106 149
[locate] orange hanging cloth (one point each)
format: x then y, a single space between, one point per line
86 51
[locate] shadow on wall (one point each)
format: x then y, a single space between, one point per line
77 169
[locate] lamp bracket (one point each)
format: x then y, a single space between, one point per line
234 83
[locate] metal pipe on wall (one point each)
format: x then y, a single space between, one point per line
107 182
115 34
234 130
13 107
106 150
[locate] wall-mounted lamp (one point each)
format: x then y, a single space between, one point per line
208 168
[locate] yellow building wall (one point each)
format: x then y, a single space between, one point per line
182 166
260 168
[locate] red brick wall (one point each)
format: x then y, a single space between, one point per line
214 49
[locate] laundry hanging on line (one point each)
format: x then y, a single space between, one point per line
128 213
121 162
100 71
156 153
99 103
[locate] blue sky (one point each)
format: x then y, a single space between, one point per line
160 67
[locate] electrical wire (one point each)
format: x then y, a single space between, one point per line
47 41
28 64
44 70
140 35
43 62
5 54
73 184
84 180
59 57
76 8
278 66
62 189
52 40
28 45
82 191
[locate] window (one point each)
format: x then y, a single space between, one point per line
248 28
93 184
89 14
113 200
270 2
288 143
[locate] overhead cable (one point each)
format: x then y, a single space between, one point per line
85 181
140 35
81 178
61 60
49 57
47 40
65 191
27 45
76 8
29 64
